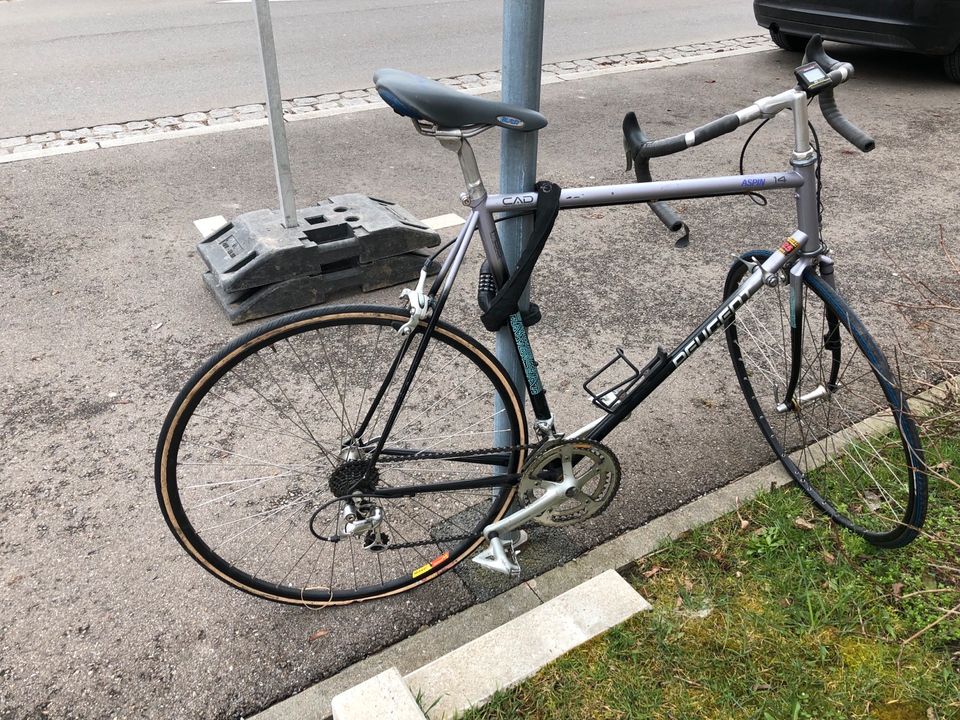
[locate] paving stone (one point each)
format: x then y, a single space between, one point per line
382 696
220 113
302 109
44 137
302 101
165 121
60 143
490 75
138 125
101 130
222 120
29 147
255 111
328 97
329 106
352 102
189 124
194 117
449 81
351 94
12 142
550 69
566 65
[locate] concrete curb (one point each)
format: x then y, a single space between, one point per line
220 120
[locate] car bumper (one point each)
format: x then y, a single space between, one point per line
934 31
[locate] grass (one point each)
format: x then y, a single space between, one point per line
772 613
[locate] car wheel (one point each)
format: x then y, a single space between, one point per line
794 43
951 65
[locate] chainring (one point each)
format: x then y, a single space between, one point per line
591 462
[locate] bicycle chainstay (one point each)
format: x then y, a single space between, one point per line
449 456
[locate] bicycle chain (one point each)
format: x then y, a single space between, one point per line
448 456
458 453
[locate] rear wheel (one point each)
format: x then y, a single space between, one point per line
786 41
830 408
263 444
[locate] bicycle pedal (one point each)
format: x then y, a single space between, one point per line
500 557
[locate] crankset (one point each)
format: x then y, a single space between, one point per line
582 475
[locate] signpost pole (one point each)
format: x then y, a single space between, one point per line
520 77
278 135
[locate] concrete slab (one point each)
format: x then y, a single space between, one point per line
382 697
503 657
409 655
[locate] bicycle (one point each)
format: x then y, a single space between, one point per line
348 453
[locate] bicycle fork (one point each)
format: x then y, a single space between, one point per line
792 401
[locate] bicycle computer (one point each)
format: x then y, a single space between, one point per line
812 78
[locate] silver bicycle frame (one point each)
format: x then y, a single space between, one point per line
801 177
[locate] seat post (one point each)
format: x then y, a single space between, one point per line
454 140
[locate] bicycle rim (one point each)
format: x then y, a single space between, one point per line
845 433
251 457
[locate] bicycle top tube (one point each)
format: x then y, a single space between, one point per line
627 193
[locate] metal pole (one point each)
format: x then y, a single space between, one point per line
278 134
520 77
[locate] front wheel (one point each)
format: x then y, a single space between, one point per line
266 440
829 405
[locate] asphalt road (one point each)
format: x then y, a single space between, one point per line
68 64
105 316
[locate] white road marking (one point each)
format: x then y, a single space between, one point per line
443 221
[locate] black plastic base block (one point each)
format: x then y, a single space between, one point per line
304 291
351 230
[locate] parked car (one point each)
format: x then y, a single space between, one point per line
931 27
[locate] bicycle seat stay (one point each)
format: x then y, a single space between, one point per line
427 100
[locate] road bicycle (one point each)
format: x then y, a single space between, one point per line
342 454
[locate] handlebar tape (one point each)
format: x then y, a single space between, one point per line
634 141
850 132
815 53
828 105
638 146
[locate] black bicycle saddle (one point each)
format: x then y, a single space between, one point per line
419 98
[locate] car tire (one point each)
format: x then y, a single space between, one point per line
793 43
951 65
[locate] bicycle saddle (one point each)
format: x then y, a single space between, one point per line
417 97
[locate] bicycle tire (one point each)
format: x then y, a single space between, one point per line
848 438
281 435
